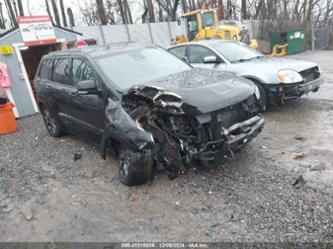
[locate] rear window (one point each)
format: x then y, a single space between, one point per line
61 70
45 71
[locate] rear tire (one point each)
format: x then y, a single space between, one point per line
135 168
263 96
51 123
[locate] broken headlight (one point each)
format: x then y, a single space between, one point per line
289 76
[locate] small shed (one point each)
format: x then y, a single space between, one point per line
22 63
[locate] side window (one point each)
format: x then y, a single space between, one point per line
198 53
179 52
45 70
61 71
81 71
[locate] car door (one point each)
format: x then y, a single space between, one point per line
196 55
88 111
58 89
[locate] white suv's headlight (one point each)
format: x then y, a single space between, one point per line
289 76
257 92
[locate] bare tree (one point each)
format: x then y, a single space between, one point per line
15 7
171 7
2 19
63 14
70 17
11 13
20 7
244 9
110 10
48 10
56 13
148 14
125 11
101 12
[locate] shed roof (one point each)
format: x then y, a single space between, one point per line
55 26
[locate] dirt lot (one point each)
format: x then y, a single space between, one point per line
47 196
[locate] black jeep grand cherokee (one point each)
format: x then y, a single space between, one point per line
144 105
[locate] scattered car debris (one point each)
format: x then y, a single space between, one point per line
134 197
77 156
298 155
317 167
300 138
299 181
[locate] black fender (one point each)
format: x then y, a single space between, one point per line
123 129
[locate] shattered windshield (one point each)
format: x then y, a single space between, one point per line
140 66
235 51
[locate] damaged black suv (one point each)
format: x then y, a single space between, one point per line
146 106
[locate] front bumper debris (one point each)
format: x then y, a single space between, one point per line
235 137
278 93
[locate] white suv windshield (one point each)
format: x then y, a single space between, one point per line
235 51
139 66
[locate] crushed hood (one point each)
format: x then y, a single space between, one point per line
198 90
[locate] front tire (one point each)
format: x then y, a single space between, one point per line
51 123
135 168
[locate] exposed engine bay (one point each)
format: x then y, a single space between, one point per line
180 136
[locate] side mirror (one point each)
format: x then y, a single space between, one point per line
87 87
211 59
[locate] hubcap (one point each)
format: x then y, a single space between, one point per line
50 122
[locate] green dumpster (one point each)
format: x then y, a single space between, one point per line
295 38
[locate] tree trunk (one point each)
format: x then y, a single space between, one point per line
184 7
49 11
101 12
128 13
15 7
244 9
193 5
56 13
160 13
20 7
150 8
70 17
11 13
220 10
174 10
121 9
2 20
63 14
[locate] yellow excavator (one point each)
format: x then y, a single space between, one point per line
204 24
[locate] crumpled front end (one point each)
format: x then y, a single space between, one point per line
180 138
279 93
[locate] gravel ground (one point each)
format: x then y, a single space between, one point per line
47 196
